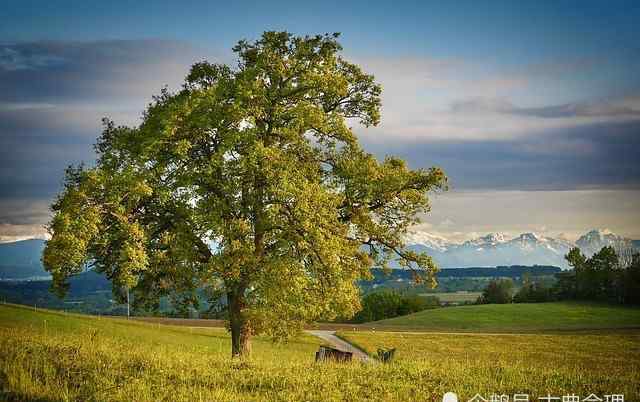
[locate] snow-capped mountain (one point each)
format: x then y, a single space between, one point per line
495 249
593 241
428 240
490 240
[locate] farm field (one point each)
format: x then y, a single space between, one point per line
520 317
52 356
559 364
455 297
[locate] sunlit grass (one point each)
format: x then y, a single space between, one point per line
520 317
53 356
536 364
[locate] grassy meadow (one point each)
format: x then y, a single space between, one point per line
560 364
454 297
519 317
53 356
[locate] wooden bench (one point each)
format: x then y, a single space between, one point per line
327 353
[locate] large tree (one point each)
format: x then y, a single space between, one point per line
248 181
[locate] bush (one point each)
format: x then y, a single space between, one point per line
389 303
410 304
533 292
498 291
604 277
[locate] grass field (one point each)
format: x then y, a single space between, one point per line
513 364
455 297
51 356
518 318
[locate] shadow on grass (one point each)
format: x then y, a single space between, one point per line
8 396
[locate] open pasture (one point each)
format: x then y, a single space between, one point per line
52 356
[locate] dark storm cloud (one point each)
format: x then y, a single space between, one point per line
586 109
52 98
74 71
603 155
53 95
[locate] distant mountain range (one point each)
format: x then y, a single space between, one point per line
527 249
21 259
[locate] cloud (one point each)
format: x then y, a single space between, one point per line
22 218
626 107
14 58
551 213
55 93
428 99
20 211
599 155
448 112
116 70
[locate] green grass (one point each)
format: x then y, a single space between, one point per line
52 356
518 363
518 317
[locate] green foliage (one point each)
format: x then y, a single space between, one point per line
498 291
533 292
601 277
378 306
389 303
410 304
631 282
249 181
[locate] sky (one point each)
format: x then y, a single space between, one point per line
531 108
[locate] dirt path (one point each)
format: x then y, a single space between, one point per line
340 344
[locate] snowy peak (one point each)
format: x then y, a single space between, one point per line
598 236
526 249
489 240
595 239
428 240
528 239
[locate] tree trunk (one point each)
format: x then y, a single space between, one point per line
241 330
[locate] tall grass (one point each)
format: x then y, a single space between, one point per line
71 358
559 364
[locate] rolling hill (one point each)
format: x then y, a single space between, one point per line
518 317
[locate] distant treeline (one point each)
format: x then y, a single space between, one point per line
606 276
502 271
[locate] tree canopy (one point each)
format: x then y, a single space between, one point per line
498 291
604 276
249 181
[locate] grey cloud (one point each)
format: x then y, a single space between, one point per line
553 213
54 94
601 155
17 59
567 110
23 211
72 71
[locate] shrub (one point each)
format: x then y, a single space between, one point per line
385 304
533 292
498 291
